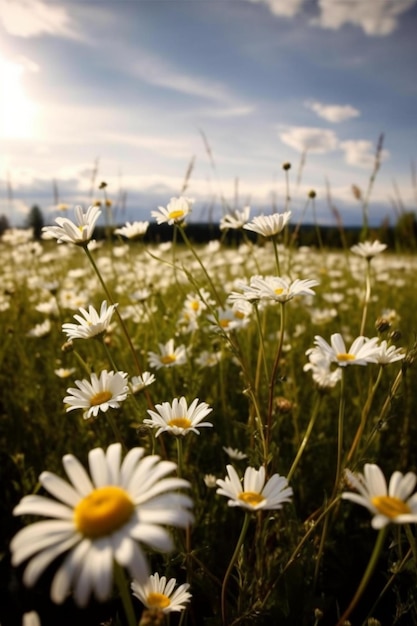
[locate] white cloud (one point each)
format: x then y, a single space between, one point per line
375 17
283 8
361 153
232 111
306 138
333 112
31 18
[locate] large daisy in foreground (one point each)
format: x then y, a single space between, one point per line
392 504
100 519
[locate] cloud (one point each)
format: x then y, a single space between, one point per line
361 153
375 17
31 18
282 8
334 113
307 138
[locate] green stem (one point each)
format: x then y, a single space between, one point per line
340 424
231 565
274 374
121 583
367 296
275 245
180 455
379 543
306 437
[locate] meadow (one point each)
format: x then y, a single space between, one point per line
290 366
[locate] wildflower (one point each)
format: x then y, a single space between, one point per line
388 505
208 359
235 219
79 232
157 593
40 330
320 367
235 454
210 481
269 225
368 249
98 394
99 520
137 383
92 324
228 319
256 494
274 289
361 352
168 356
178 419
64 372
175 212
132 230
389 354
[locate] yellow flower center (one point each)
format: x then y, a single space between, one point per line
167 359
157 600
103 511
180 422
390 507
279 291
239 315
224 323
101 397
195 305
175 215
345 356
251 497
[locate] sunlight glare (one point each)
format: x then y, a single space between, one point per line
17 111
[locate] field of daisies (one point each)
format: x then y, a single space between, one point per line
206 435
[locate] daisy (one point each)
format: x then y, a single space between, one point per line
255 494
320 367
98 520
235 219
98 394
388 505
235 454
64 372
159 594
178 418
269 225
90 323
168 356
368 249
137 383
31 619
40 330
389 354
361 352
275 289
79 232
228 319
175 212
132 230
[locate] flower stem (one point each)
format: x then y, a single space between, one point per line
306 437
367 296
121 583
231 565
379 543
274 374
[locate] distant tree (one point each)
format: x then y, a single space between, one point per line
4 223
35 220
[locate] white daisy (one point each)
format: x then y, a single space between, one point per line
234 453
235 219
178 418
40 330
98 394
90 323
175 212
31 619
389 354
274 289
132 230
361 352
168 356
137 383
99 520
368 249
255 494
159 594
388 505
269 225
79 232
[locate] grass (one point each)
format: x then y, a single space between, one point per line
299 565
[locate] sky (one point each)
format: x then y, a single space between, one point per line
208 98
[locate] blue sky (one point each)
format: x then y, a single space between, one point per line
134 90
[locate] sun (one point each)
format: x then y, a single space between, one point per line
17 110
